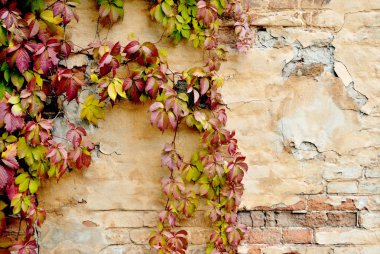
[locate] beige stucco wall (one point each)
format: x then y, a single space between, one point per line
304 103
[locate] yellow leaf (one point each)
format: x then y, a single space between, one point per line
94 78
119 87
48 16
38 79
112 91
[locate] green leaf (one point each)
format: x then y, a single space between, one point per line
167 9
3 37
3 89
17 80
35 5
52 171
118 3
28 153
22 181
14 100
180 19
158 13
33 186
170 2
16 203
186 33
21 178
7 75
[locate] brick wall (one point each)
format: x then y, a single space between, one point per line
305 104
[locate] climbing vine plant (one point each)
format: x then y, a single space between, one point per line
34 77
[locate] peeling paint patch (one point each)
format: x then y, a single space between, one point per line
309 60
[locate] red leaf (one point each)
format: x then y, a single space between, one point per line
108 63
20 57
131 48
10 16
75 135
57 152
46 55
66 48
116 49
38 132
6 176
205 85
69 81
8 157
10 121
67 12
79 158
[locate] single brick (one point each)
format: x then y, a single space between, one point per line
345 236
245 218
258 218
342 187
297 235
370 220
372 172
264 236
316 219
370 186
286 219
343 172
327 19
341 219
357 250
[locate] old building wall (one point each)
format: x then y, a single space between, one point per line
305 104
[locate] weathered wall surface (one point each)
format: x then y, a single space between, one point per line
305 102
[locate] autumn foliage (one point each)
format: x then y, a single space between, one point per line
35 46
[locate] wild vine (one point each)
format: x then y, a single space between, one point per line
34 76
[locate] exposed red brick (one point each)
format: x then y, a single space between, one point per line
299 206
297 235
262 236
287 219
258 219
316 219
341 219
245 218
320 203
